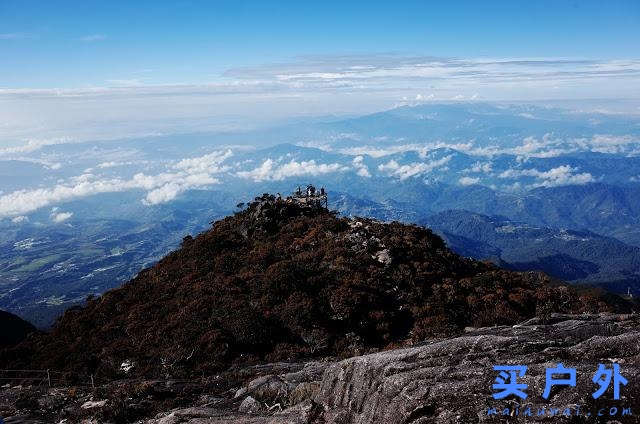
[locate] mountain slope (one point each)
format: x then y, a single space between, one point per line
14 329
278 282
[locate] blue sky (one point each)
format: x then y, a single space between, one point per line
76 43
237 56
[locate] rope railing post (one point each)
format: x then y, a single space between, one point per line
46 377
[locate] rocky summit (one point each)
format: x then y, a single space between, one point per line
254 320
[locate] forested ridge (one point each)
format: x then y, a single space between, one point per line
279 281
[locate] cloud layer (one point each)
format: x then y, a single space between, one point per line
160 188
403 172
559 176
305 86
270 170
61 217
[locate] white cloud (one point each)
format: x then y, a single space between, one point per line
114 164
208 163
61 217
163 187
562 175
33 145
531 147
111 164
270 170
164 194
550 146
484 168
403 172
420 97
606 143
273 91
363 172
515 187
422 149
20 219
45 163
384 69
544 148
361 168
466 181
378 152
24 201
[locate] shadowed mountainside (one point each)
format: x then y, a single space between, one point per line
14 329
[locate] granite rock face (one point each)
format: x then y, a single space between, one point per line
450 381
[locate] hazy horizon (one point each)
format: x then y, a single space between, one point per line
91 70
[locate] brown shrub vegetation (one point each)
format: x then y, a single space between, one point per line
281 282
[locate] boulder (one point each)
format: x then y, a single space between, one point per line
93 404
269 388
250 406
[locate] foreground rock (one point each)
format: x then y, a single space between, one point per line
440 381
450 381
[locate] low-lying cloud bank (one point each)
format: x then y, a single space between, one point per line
307 86
270 170
190 173
61 217
531 147
438 160
559 176
160 188
392 168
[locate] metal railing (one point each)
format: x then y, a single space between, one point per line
44 378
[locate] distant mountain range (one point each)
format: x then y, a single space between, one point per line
80 218
570 255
